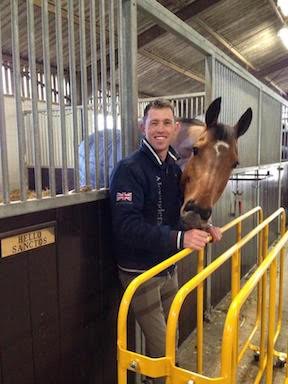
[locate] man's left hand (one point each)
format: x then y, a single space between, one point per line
215 233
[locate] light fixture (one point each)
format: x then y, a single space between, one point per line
283 4
283 34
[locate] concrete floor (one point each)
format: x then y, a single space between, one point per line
213 330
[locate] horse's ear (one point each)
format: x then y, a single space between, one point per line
243 123
212 112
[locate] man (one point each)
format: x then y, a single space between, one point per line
145 200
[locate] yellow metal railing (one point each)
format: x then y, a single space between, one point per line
230 328
128 359
165 366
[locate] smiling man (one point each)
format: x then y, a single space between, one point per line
146 200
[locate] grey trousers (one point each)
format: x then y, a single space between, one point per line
151 304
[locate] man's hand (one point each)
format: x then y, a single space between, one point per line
215 233
195 238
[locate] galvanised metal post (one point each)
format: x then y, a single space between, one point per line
129 89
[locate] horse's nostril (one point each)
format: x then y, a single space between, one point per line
192 207
189 206
205 213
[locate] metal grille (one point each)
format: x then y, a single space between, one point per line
190 105
60 102
238 95
270 130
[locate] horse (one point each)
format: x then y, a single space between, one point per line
208 156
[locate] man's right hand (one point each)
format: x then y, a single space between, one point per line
196 239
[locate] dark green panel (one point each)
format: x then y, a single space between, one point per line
60 302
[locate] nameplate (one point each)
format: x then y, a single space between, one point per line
24 242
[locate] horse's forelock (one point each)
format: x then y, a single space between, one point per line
223 132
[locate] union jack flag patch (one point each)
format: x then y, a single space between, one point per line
124 196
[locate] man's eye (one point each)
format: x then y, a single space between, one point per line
195 151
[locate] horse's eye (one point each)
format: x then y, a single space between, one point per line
235 165
195 151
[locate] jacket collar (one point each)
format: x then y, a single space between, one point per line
150 151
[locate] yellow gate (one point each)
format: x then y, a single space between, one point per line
230 355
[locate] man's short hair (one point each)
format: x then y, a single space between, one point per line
157 104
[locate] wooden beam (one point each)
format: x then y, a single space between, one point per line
184 13
277 12
175 67
273 67
249 66
225 43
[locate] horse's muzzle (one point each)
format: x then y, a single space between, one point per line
193 216
192 207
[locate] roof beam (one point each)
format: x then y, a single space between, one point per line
250 67
173 66
273 67
277 11
227 45
184 13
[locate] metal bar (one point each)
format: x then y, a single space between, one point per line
30 206
200 295
281 280
104 88
60 76
73 92
208 283
35 118
112 79
47 73
210 80
271 321
17 92
84 89
236 266
94 87
120 71
175 97
129 95
3 138
263 356
5 79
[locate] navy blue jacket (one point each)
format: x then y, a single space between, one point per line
145 203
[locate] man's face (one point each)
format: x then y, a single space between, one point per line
160 130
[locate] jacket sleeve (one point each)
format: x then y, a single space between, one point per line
127 200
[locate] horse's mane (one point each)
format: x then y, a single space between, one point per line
190 121
223 132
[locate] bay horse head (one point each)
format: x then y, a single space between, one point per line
209 153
